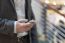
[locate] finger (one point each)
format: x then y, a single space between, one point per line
26 26
30 26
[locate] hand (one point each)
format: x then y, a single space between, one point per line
23 27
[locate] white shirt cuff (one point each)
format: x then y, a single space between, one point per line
15 27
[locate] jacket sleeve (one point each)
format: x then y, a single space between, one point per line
6 26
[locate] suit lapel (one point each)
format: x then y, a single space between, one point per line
12 2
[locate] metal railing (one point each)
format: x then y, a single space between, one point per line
55 33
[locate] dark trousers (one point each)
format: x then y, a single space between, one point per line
13 39
24 39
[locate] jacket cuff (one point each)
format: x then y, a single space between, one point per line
9 26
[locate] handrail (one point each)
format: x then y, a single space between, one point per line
55 9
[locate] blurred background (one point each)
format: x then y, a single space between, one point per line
51 23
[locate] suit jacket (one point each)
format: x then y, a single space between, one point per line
7 17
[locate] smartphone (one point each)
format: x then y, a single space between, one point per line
32 21
23 20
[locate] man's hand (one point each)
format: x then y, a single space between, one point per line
23 27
